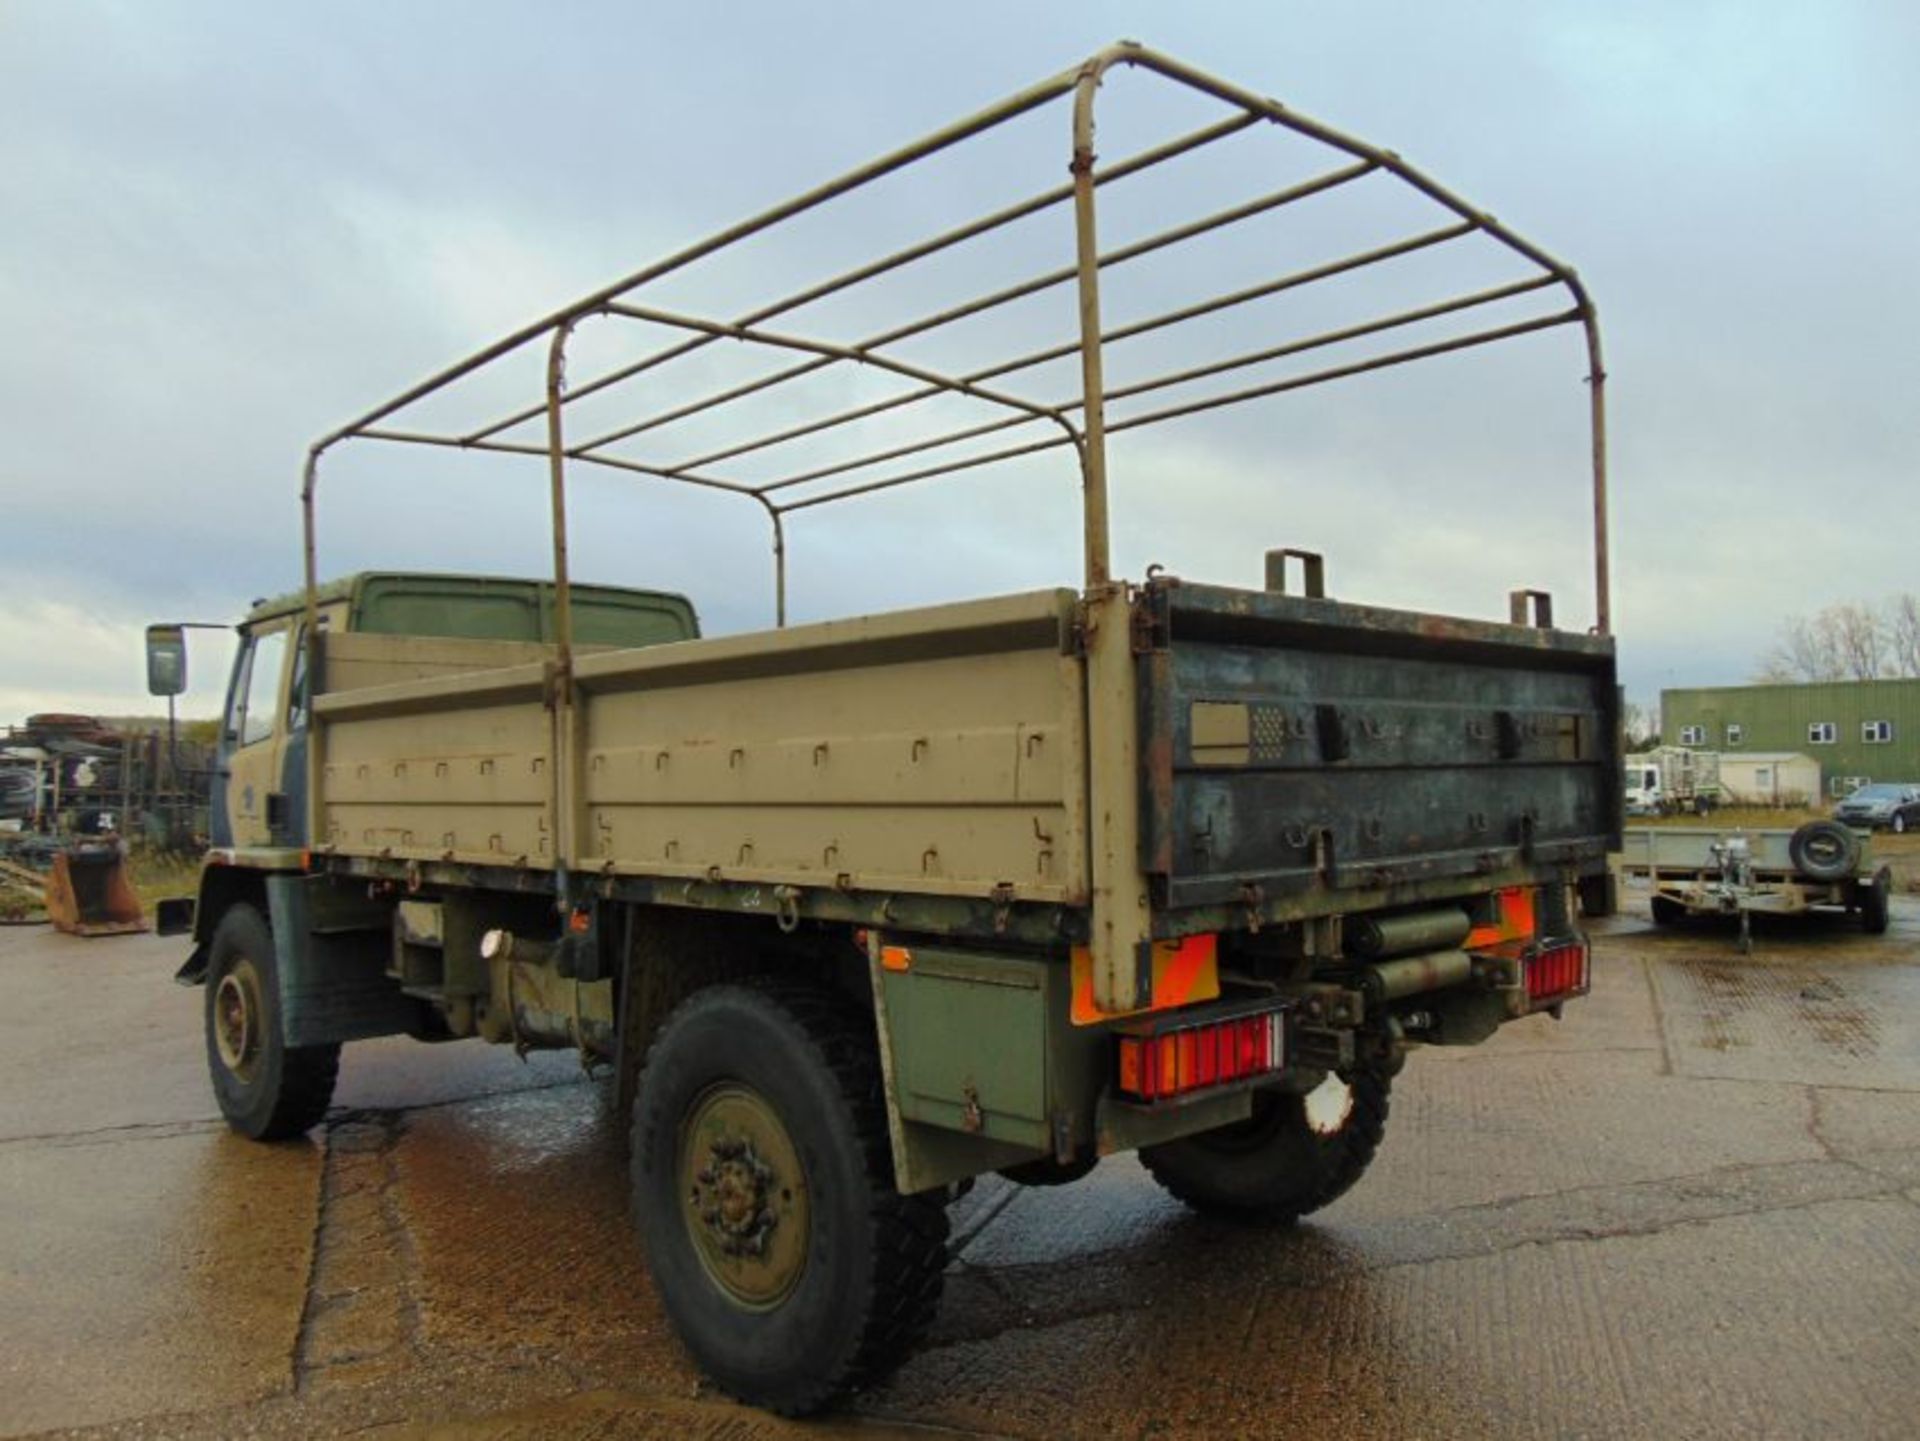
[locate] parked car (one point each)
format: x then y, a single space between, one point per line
1906 816
1892 804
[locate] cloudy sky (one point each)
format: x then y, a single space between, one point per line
227 228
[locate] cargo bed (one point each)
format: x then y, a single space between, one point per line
1300 757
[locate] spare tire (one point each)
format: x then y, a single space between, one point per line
1824 851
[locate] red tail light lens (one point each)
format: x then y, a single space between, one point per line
1556 971
1173 1061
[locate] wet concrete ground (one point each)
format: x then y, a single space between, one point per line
1690 1209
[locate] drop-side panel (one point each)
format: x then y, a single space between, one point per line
357 660
448 769
933 751
1300 750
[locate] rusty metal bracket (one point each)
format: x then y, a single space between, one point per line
1002 898
1540 602
1325 1048
786 908
1149 629
1313 572
1254 899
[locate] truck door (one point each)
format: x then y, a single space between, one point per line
252 736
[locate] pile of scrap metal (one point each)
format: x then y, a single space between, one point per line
79 775
85 891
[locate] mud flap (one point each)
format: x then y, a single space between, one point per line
331 948
194 972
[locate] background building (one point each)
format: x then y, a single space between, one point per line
1856 730
1769 778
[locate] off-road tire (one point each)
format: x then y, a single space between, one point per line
1823 851
871 1277
1273 1168
1599 895
1667 911
1875 900
278 1091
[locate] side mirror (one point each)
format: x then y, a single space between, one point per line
166 660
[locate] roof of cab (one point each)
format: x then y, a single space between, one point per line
347 588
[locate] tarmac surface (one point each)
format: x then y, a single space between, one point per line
1692 1208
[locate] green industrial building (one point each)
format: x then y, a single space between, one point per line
1859 731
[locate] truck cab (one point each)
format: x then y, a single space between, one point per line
1641 789
459 623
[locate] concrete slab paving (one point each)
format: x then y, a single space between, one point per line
1593 1227
149 1273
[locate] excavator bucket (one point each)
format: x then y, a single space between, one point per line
88 893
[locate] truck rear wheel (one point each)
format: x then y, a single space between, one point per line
1667 911
1292 1156
267 1090
1876 904
763 1189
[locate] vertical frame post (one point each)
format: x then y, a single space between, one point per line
1121 935
316 672
557 482
1597 418
564 733
779 560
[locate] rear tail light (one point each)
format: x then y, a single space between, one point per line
1556 971
1165 1061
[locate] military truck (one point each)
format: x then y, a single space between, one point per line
857 910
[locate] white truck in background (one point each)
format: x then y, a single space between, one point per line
1668 780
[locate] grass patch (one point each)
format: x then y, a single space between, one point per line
159 875
1733 818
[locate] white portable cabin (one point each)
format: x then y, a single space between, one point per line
1769 778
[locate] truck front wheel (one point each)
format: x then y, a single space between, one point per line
267 1089
763 1188
1292 1156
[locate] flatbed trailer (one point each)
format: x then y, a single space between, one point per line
1701 872
859 909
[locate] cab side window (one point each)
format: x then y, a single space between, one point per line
297 687
256 701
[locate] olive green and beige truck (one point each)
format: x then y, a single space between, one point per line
853 911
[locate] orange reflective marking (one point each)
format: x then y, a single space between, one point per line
1190 970
1516 921
1184 971
895 958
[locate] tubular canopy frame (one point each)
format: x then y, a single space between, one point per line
1030 426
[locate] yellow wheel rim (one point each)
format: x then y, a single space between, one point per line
743 1196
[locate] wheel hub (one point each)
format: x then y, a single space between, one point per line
236 1020
744 1196
731 1193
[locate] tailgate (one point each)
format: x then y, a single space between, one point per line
1299 752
